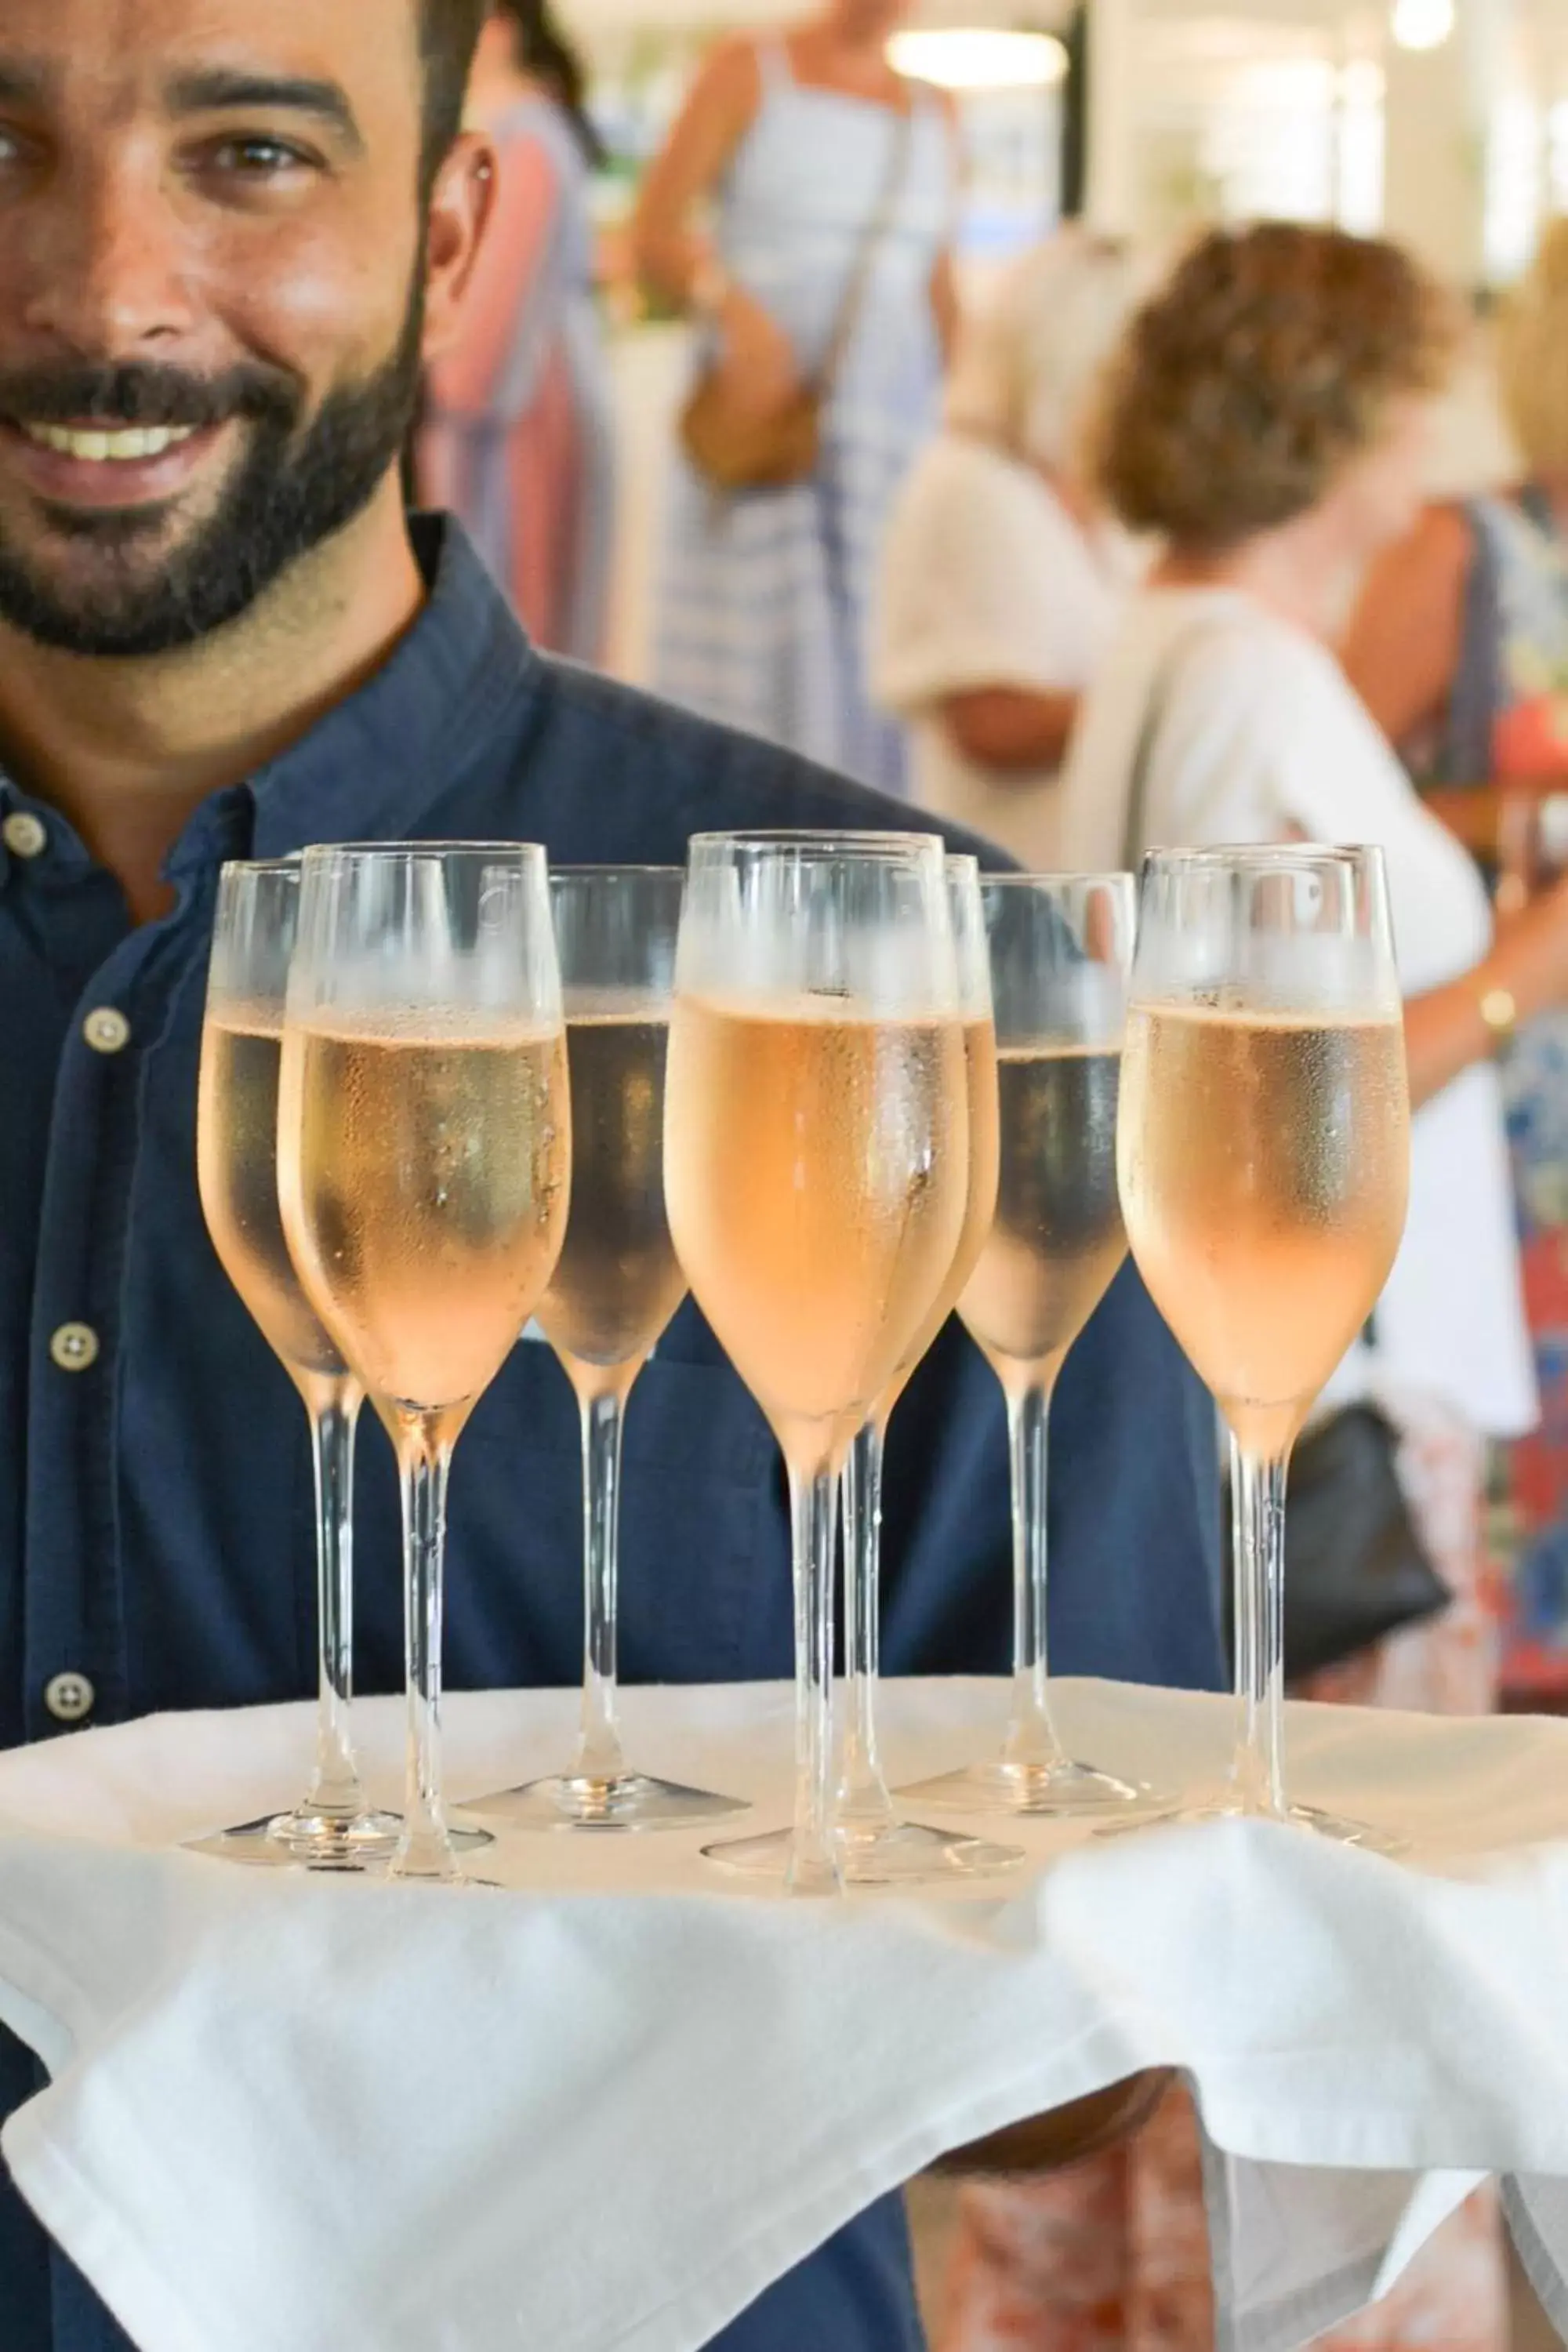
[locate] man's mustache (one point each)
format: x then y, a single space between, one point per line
131 394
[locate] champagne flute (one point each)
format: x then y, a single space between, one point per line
331 1827
1264 1159
615 1286
423 1167
1060 947
876 1846
817 1170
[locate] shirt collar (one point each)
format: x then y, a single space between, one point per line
375 765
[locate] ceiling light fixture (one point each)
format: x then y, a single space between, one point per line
1422 23
963 57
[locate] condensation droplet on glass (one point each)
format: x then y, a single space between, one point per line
497 897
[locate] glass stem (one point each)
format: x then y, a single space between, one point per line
599 1755
1031 1734
335 1791
863 1803
1257 1495
424 1455
814 1517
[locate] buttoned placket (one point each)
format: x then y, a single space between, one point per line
376 766
74 1665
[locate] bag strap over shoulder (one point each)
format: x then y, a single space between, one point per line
882 219
775 71
1156 705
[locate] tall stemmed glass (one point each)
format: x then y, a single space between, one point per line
1060 950
817 1170
875 1845
237 1170
616 1284
1264 1154
423 1169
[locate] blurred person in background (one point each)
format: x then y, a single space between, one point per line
1002 575
830 178
1266 417
517 435
1460 647
1460 643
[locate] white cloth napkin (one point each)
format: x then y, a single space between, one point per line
607 2105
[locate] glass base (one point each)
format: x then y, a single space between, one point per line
438 1867
304 1840
899 1854
583 1800
1337 1827
1063 1789
311 1836
1344 1830
461 1882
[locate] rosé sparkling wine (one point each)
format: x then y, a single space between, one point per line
1264 1170
980 1201
1057 1238
1058 948
237 1170
617 1281
818 1176
428 1197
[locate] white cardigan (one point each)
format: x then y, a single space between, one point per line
1259 734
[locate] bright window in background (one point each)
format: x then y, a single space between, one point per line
1012 171
1358 156
1270 145
1242 114
1007 87
1515 158
1557 157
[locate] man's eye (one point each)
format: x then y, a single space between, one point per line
260 159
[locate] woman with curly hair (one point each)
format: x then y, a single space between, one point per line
1265 417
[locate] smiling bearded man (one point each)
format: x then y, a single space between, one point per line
228 230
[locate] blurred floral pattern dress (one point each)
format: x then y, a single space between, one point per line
1511 720
518 435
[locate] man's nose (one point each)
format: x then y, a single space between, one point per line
110 260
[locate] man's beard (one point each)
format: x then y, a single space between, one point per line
294 487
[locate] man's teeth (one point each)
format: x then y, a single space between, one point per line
117 447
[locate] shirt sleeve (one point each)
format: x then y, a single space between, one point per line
973 590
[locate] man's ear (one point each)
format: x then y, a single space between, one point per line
462 203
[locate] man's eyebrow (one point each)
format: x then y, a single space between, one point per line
23 83
217 89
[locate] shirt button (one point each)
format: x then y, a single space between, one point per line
24 834
106 1030
70 1698
74 1347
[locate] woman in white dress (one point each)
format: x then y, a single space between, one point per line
1002 575
801 145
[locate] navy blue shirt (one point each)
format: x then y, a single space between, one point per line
155 1511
